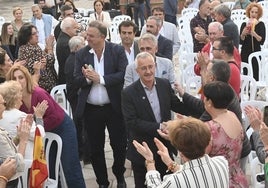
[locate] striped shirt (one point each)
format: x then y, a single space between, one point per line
203 172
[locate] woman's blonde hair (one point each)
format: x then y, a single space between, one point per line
10 91
24 70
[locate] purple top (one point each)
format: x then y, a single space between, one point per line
54 114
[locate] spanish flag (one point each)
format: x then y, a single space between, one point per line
39 172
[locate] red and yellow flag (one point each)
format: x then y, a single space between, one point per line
39 172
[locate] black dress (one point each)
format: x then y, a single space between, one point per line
247 47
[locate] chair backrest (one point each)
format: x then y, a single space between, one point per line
258 104
239 16
191 10
24 179
264 5
193 85
188 72
58 93
229 4
261 57
184 30
248 88
247 67
255 168
49 140
114 30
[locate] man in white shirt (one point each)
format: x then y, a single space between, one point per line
127 31
99 73
45 24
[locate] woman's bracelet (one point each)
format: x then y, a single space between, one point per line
172 166
4 178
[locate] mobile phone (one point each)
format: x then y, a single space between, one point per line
265 115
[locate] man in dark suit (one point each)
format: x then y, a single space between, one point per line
69 29
145 105
127 31
165 46
99 72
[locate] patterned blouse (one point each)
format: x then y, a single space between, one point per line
32 53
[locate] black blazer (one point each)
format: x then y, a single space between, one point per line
115 62
165 47
139 117
62 52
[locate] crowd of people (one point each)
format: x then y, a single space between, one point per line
131 90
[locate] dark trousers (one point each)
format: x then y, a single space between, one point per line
97 118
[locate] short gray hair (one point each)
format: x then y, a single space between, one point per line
74 42
223 10
157 20
216 24
150 37
67 23
100 26
142 55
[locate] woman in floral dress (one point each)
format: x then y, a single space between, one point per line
226 130
30 51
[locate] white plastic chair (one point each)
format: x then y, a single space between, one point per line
262 59
187 73
193 84
51 182
255 168
24 179
187 10
229 4
58 93
239 16
184 30
255 165
248 88
247 67
114 31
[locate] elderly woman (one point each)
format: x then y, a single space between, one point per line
11 91
8 147
55 120
213 171
30 51
9 42
252 35
226 130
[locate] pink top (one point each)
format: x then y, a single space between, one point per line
231 149
54 114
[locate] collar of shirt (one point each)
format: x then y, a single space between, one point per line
144 86
92 51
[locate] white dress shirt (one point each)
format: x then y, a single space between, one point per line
98 94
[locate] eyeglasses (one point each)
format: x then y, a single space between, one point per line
3 103
213 48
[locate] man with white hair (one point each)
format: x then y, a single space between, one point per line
69 28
